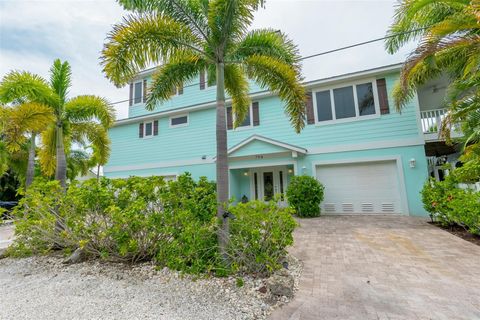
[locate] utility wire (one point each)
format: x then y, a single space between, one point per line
327 52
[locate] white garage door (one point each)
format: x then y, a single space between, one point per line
367 187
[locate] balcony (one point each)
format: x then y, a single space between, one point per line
432 122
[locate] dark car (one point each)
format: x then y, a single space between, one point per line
7 205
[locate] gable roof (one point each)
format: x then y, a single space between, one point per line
276 143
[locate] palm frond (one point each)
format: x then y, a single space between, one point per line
47 153
143 40
191 13
236 85
267 42
280 77
25 118
90 108
21 86
181 68
61 79
93 135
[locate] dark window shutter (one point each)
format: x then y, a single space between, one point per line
180 89
144 90
229 119
383 96
256 114
202 80
140 130
155 128
309 108
130 99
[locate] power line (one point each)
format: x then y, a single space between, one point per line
326 52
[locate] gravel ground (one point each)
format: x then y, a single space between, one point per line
44 288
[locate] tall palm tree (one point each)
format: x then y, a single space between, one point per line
21 120
82 120
186 37
449 34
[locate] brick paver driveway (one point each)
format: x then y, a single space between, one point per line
383 267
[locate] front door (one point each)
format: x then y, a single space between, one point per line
268 182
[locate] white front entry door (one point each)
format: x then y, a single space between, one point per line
268 182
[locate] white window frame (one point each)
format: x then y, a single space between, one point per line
179 125
134 91
357 116
250 126
145 130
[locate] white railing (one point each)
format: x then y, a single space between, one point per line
432 120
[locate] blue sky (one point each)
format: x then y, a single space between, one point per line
33 33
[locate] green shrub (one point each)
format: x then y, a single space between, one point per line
449 204
139 219
259 236
304 195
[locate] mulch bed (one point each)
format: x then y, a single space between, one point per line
460 232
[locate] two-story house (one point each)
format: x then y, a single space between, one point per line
370 158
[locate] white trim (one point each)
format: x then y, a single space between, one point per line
267 140
399 164
353 85
145 136
266 164
368 146
170 125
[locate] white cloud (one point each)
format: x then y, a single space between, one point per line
34 33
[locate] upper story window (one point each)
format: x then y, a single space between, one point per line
137 95
138 92
203 80
346 102
252 118
179 121
148 129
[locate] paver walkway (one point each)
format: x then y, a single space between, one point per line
383 267
6 235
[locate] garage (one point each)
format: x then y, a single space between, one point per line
361 187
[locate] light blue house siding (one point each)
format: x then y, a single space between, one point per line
273 143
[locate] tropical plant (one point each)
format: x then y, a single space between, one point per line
186 37
304 194
20 120
83 120
449 34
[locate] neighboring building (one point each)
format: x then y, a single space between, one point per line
370 158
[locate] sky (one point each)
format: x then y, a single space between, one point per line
33 33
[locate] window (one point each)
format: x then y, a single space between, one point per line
344 102
137 95
366 103
179 121
247 122
148 129
324 106
347 102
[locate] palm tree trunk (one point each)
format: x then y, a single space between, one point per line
31 162
61 168
222 163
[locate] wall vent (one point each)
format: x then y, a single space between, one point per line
347 207
329 207
367 207
388 207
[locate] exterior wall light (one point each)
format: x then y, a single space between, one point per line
245 173
290 171
304 169
412 163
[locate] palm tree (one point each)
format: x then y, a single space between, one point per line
20 120
449 34
186 37
82 120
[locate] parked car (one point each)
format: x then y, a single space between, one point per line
8 205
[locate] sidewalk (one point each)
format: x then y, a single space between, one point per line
6 235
